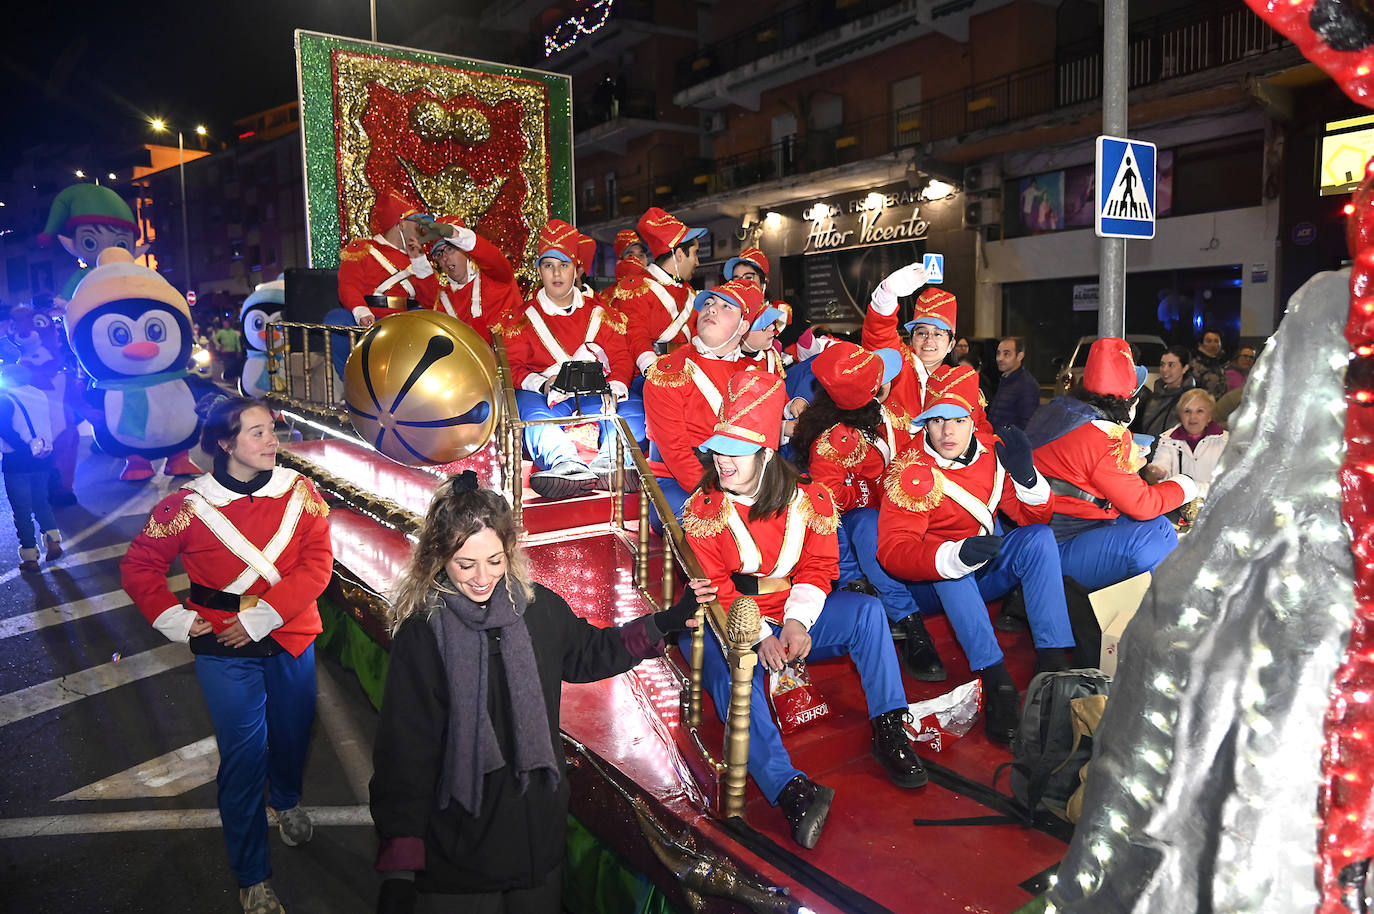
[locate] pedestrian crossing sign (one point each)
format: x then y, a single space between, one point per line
1125 188
934 265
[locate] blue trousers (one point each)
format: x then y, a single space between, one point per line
1028 557
851 623
263 708
549 444
859 556
674 494
1117 550
340 343
27 491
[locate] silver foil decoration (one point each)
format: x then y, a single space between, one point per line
1203 792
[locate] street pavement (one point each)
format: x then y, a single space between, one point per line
107 800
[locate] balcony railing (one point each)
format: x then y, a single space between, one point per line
1202 38
598 108
779 31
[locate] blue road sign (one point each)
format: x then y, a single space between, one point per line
934 265
1125 188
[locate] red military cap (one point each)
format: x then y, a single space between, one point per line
743 295
389 210
748 255
586 252
937 308
662 231
751 416
623 239
852 375
947 376
558 240
955 395
1111 371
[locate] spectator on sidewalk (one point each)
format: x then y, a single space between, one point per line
1018 394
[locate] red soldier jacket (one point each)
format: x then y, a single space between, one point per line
929 504
658 310
850 464
795 554
547 336
683 393
374 266
1100 458
490 296
909 387
273 544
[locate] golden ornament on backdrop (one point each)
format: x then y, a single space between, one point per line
429 120
453 192
422 388
469 126
433 122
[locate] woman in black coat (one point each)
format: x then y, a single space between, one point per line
469 794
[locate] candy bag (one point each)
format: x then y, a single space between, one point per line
942 720
796 700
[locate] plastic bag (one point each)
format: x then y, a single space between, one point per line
796 700
942 720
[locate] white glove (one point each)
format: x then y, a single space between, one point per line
622 393
465 239
421 268
364 316
901 283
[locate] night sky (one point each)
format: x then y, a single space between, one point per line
83 71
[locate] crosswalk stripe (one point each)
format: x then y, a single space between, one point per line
77 609
73 687
168 775
94 823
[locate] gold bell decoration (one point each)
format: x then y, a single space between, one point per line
422 388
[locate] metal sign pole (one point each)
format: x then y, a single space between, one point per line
1111 314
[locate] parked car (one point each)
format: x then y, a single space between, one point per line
1151 351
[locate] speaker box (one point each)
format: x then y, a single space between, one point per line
310 295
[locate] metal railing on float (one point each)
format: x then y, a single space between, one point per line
735 629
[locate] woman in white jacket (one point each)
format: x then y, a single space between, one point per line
1194 446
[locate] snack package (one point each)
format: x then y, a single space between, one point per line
942 720
796 701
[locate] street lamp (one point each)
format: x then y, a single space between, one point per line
160 125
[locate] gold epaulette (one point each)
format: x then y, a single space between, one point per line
662 373
165 522
622 292
314 503
704 515
353 251
614 319
1123 449
898 419
913 484
842 445
818 508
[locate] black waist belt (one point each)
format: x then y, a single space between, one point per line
394 302
1069 490
751 585
218 599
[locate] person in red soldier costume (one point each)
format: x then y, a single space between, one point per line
752 266
760 529
254 539
476 282
1109 522
560 325
930 333
938 527
384 274
685 389
845 440
657 304
631 255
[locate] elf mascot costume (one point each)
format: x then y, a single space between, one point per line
86 219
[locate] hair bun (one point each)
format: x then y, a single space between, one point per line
465 481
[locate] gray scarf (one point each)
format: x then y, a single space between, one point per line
461 627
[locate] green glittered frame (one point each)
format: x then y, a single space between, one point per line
315 53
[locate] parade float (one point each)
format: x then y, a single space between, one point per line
1211 766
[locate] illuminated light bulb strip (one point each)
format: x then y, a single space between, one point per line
1346 837
575 27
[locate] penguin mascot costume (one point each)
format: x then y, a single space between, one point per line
259 309
131 332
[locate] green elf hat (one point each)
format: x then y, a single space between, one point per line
86 204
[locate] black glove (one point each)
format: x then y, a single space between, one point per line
975 550
1014 451
398 896
674 618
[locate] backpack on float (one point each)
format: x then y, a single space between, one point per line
1050 751
1054 742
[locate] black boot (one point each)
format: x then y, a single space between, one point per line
1012 618
1001 703
1051 660
893 750
922 659
805 804
1087 633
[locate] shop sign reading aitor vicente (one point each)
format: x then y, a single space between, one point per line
871 218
